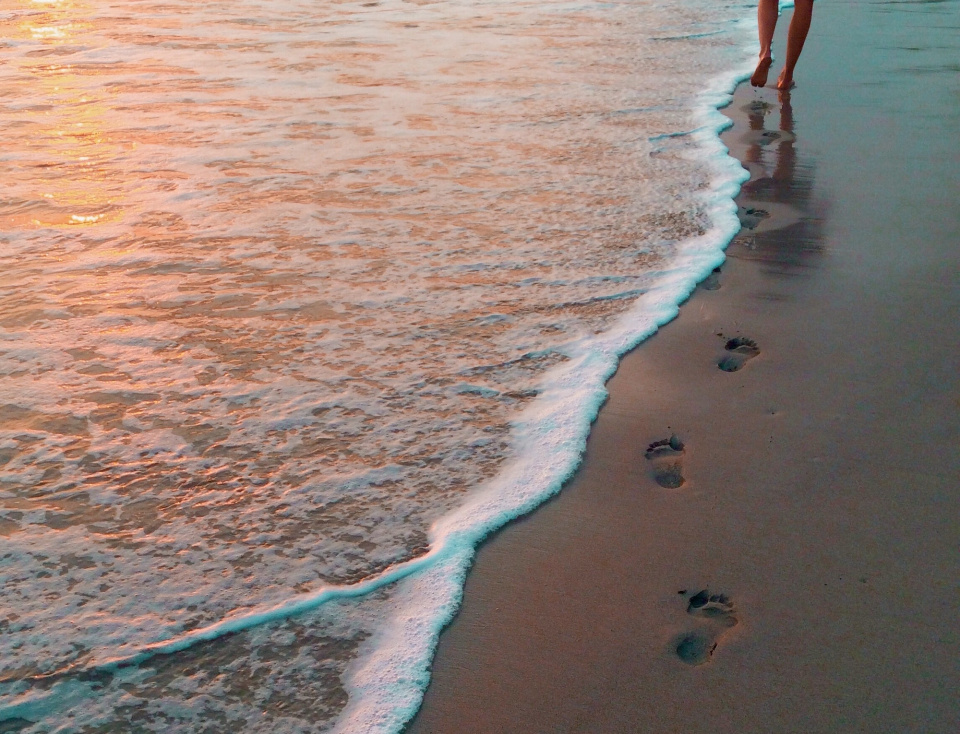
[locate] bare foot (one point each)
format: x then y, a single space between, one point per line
759 77
785 82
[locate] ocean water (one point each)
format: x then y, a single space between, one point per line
300 300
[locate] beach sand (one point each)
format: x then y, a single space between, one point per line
821 479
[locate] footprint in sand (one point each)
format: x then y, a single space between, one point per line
718 615
750 216
666 456
712 281
742 350
759 106
716 607
767 137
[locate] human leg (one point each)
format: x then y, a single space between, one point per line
767 11
799 25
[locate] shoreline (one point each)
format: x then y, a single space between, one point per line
379 696
795 466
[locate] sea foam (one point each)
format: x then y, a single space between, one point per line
387 689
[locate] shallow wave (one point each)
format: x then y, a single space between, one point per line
301 299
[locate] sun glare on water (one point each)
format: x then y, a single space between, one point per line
69 174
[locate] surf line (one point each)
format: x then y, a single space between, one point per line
242 622
668 136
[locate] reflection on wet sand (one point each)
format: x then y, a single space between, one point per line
781 220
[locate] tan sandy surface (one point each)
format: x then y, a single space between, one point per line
822 478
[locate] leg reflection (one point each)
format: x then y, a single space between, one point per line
776 208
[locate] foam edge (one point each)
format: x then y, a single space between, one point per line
387 685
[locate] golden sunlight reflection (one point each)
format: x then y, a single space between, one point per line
69 176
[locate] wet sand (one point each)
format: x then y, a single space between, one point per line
820 478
